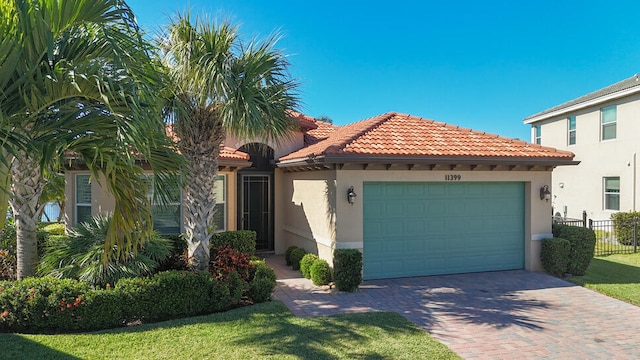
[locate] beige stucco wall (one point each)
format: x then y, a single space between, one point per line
312 221
309 216
581 187
288 144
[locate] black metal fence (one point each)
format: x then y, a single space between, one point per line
612 236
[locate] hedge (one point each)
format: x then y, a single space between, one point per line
347 269
320 272
583 243
624 225
296 256
262 283
287 254
555 255
305 264
49 304
243 241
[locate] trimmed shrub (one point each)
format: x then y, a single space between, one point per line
296 257
46 304
583 244
624 224
287 254
320 272
263 282
243 241
305 264
55 229
555 255
347 269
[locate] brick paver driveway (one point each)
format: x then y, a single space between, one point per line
495 315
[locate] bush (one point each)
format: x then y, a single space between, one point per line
54 228
320 272
555 255
296 257
305 264
47 304
7 265
624 224
287 254
347 269
80 255
263 282
178 260
166 295
583 243
243 241
228 260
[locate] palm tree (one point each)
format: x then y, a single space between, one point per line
221 87
77 77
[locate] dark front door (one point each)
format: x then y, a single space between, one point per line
256 208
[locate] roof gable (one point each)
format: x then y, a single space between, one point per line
394 135
614 91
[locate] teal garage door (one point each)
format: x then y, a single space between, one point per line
417 229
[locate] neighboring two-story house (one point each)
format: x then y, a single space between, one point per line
602 129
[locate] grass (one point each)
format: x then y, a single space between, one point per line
264 331
617 276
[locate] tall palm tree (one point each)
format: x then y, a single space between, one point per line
221 87
77 77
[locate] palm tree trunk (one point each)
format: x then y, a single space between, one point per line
200 203
26 188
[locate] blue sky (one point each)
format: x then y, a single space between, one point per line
479 64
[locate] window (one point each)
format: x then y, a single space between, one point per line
220 218
167 218
612 193
572 130
83 198
537 136
608 122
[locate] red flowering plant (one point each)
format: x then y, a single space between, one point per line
227 260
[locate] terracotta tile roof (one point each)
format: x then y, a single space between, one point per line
226 153
320 133
400 135
305 122
603 94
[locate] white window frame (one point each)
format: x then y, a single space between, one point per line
224 207
77 204
537 134
613 123
606 193
571 131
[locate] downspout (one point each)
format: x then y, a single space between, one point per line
634 180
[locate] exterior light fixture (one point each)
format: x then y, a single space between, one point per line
351 195
545 194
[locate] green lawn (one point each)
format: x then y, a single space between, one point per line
267 330
617 276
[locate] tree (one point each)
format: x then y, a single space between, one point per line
76 77
220 86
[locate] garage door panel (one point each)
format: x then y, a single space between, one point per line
414 229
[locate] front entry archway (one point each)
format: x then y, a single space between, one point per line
255 195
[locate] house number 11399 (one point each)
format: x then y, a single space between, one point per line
453 177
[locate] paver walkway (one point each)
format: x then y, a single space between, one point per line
494 315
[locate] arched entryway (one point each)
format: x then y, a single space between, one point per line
255 195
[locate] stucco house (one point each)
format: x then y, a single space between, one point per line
416 196
602 130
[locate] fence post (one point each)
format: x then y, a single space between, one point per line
584 218
590 224
635 235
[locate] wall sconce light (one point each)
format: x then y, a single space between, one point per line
545 194
351 195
